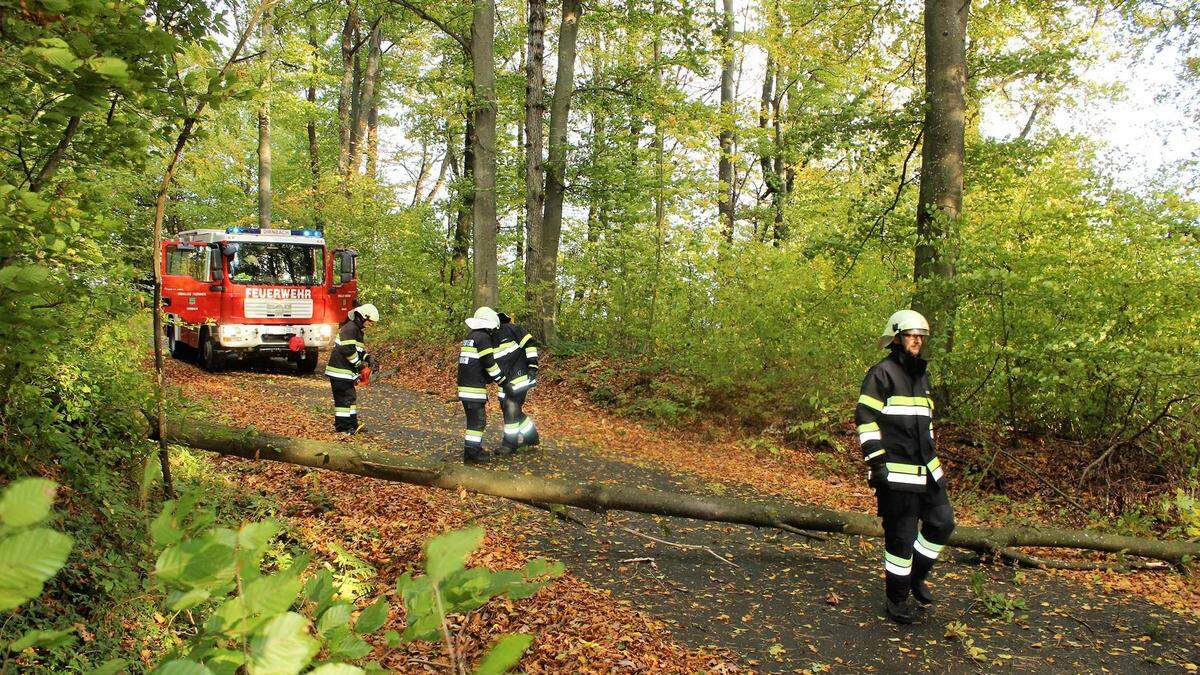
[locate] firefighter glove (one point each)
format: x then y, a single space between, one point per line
879 474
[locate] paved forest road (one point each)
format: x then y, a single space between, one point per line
789 604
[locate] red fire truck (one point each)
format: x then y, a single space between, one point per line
246 292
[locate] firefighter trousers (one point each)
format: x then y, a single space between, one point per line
909 550
518 427
476 413
345 412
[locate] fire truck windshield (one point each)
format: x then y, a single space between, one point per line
277 264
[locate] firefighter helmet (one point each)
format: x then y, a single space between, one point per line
905 320
367 312
485 318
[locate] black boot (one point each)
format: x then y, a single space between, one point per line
506 450
920 589
531 439
900 612
922 594
475 455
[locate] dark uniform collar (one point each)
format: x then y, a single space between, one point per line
913 365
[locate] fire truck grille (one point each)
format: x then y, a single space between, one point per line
273 308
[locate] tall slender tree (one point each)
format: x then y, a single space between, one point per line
939 206
264 123
556 169
483 221
725 200
535 180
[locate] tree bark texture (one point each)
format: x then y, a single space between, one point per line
725 205
535 177
466 207
363 461
314 157
264 126
941 189
556 172
483 221
366 94
345 89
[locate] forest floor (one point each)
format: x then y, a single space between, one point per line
705 596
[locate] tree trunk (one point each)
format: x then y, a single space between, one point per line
363 461
345 90
366 95
556 173
725 205
264 127
356 111
535 180
373 138
660 206
483 221
466 207
314 157
940 203
766 160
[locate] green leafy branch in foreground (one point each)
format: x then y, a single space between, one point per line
29 556
260 622
279 623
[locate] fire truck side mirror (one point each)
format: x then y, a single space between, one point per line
215 267
347 265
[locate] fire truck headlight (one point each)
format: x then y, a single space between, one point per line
324 331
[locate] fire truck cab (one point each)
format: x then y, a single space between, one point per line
242 292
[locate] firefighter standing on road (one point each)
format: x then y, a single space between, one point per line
517 356
348 364
476 368
895 429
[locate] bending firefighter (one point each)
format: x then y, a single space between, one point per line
476 368
517 356
895 429
349 364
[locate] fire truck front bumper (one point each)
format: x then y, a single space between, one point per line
273 338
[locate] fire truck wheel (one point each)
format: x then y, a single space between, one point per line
180 350
211 357
307 363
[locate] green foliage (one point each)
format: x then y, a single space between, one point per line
246 617
997 604
450 587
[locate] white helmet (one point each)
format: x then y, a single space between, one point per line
368 312
904 320
485 318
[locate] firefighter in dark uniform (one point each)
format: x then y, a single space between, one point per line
347 361
476 368
895 429
517 356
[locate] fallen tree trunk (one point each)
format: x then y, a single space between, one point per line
364 461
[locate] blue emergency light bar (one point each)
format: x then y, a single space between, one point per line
256 230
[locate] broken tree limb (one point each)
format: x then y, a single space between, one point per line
364 461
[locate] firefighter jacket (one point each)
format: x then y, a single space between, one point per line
477 365
349 354
517 356
895 423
